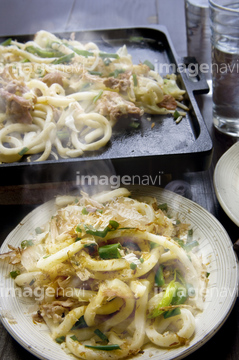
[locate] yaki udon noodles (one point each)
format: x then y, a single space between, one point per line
116 274
60 98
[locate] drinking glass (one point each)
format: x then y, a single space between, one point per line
224 22
198 31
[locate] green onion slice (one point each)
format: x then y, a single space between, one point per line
97 96
108 55
23 151
149 64
26 243
110 251
14 274
64 59
60 339
104 347
6 42
102 336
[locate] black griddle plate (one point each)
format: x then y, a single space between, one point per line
166 147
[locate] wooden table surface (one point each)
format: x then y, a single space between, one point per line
29 16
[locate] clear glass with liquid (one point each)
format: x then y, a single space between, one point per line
225 65
198 31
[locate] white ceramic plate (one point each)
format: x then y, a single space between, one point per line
226 182
215 247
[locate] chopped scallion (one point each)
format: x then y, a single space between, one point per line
116 73
95 73
110 251
83 52
135 79
163 207
97 96
43 53
102 336
84 211
14 274
80 324
104 347
23 151
176 114
108 55
6 42
26 243
64 59
149 64
60 339
159 278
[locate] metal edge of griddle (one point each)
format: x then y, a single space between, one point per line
58 170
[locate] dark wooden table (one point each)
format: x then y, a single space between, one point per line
27 17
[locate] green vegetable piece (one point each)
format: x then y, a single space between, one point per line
116 73
60 339
181 294
135 81
38 230
14 274
179 241
26 243
189 246
84 211
134 124
113 225
159 278
108 55
104 347
107 61
95 73
102 336
165 301
133 266
80 324
42 53
171 313
83 52
23 151
176 114
149 64
64 59
153 245
190 236
110 251
163 207
73 337
78 229
100 211
97 96
6 42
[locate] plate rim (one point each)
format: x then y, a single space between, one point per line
219 195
